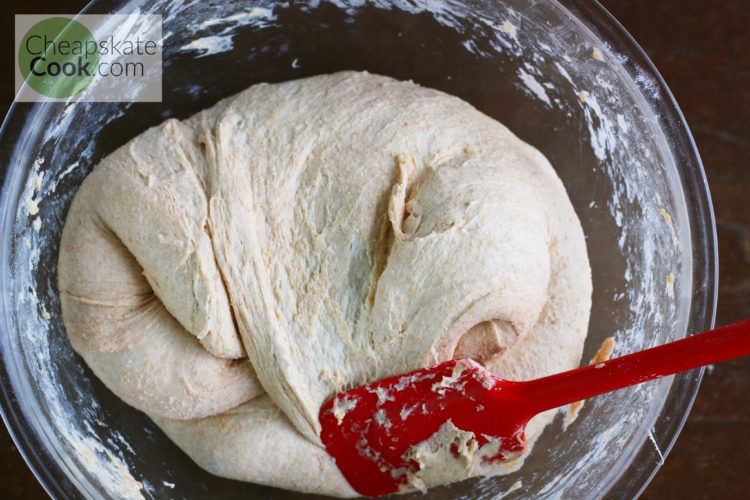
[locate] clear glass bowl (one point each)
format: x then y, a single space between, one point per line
564 76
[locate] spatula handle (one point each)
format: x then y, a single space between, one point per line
720 344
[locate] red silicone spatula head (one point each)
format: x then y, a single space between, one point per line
370 429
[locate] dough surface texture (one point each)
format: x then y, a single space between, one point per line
229 273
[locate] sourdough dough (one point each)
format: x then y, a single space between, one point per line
228 273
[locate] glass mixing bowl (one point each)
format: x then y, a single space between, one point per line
563 75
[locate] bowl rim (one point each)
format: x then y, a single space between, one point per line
647 460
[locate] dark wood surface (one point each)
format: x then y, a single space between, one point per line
702 50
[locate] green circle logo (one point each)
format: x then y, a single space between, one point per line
58 57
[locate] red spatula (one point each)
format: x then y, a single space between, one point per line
369 430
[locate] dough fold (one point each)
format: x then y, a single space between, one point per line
142 298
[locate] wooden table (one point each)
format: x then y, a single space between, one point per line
702 50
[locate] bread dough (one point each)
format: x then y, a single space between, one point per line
334 231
